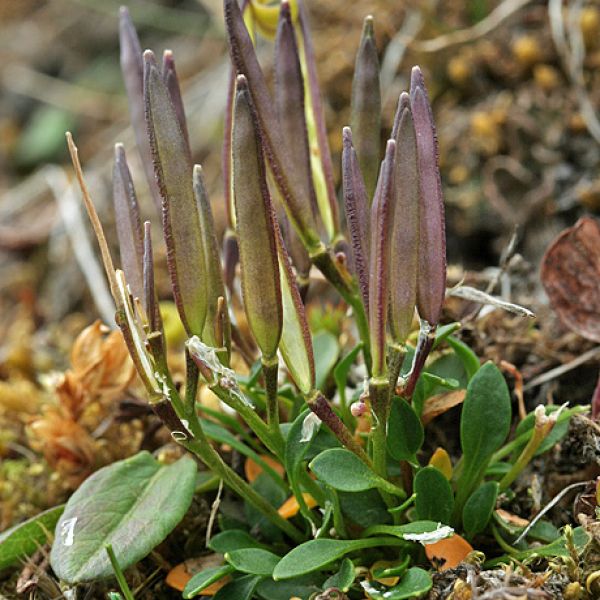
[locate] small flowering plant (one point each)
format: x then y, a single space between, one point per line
342 492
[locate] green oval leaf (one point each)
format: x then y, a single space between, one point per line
405 431
301 587
132 505
25 538
435 500
317 554
254 561
484 425
415 583
478 508
205 578
233 539
343 470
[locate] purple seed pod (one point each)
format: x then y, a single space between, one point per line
132 68
129 224
169 75
185 252
328 206
289 103
382 220
405 236
357 214
255 225
298 207
366 107
431 283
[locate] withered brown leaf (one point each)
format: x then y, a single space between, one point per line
571 276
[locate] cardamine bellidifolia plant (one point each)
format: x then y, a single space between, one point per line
337 484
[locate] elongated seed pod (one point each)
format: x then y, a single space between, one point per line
296 344
217 331
156 334
169 75
185 252
320 153
382 220
405 235
132 68
129 224
289 103
431 285
356 204
255 227
366 107
243 56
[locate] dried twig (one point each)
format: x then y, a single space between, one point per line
462 36
562 369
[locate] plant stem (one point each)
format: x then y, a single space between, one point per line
270 371
120 577
396 358
319 405
246 411
424 345
379 393
201 447
191 383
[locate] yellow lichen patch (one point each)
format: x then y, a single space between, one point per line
291 507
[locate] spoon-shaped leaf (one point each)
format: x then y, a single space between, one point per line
255 561
356 204
255 228
382 220
130 505
185 251
435 499
217 320
132 68
366 106
129 224
479 507
405 236
243 56
484 425
415 584
317 554
344 471
431 285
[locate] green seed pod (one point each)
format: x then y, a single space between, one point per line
185 252
255 227
217 331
